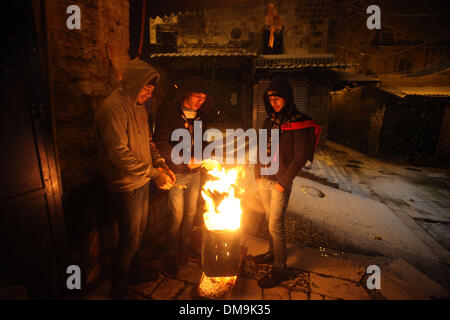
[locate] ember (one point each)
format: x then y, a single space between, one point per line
216 287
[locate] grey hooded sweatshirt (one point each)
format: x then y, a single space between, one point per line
127 156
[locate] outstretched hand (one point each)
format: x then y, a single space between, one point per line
163 181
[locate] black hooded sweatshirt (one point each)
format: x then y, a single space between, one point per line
170 117
296 147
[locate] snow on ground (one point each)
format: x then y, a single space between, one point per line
423 194
360 221
371 205
355 221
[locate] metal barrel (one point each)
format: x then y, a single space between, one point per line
220 252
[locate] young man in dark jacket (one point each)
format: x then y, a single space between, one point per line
192 104
298 135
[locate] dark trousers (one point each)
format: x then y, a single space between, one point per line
131 211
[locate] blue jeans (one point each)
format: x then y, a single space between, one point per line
182 209
131 211
275 204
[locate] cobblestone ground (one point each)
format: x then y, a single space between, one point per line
312 275
300 285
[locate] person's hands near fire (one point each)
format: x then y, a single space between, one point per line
165 179
170 173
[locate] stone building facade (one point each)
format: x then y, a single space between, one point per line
85 67
226 27
183 40
411 52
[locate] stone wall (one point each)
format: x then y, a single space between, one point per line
405 130
85 67
241 25
319 103
404 42
356 118
443 145
401 54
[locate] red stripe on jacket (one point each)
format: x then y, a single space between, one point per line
303 125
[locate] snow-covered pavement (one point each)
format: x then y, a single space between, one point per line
375 207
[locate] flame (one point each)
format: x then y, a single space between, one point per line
223 208
215 287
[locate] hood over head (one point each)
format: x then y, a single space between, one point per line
191 85
280 88
137 74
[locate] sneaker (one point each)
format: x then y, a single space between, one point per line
171 266
272 279
264 258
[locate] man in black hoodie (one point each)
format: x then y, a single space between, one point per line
298 135
192 104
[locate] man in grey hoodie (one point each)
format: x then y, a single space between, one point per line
129 160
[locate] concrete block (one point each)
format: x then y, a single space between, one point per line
315 296
349 266
277 293
401 281
186 294
254 245
146 288
246 289
333 287
191 272
169 289
298 295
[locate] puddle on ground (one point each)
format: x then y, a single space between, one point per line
413 169
306 233
312 191
324 252
391 173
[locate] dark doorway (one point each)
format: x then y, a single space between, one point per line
411 129
32 231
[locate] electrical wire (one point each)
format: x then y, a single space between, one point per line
141 40
363 13
393 54
416 14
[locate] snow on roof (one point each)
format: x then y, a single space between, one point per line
420 91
